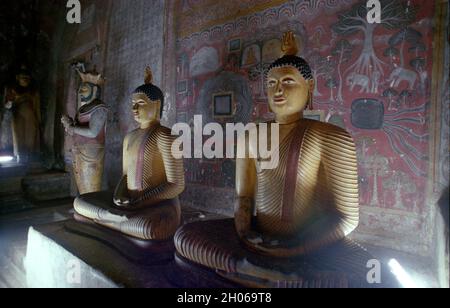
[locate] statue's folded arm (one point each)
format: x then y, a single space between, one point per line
174 171
245 192
96 124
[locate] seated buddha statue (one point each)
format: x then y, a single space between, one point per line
291 222
145 203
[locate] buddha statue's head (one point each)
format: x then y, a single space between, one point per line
89 89
147 101
23 77
290 83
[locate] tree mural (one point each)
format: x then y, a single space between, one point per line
404 95
403 36
419 65
257 73
391 52
363 144
417 48
343 51
377 166
330 77
395 15
319 67
331 84
390 93
399 182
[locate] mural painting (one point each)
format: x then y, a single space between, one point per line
373 79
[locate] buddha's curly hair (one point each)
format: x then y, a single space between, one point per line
299 63
152 92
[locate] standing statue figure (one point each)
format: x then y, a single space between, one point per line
24 102
88 131
291 222
145 203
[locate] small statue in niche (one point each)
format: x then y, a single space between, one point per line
145 203
23 100
88 131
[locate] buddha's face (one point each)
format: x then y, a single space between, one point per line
24 80
287 90
144 109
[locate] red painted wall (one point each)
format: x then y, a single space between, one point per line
374 80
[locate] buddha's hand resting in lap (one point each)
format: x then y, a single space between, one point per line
262 243
122 201
261 240
253 237
270 242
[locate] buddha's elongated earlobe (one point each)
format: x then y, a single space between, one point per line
159 111
270 108
311 94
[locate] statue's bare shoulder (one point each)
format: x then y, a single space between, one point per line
330 133
164 138
164 133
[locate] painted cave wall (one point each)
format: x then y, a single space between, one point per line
118 39
135 40
26 37
374 80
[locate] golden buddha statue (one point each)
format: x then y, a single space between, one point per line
290 222
311 199
145 203
88 131
24 101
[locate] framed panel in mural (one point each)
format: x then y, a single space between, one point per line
223 105
318 115
182 87
367 113
234 45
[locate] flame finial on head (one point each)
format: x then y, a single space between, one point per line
289 47
148 75
149 89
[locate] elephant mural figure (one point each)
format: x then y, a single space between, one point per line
355 79
402 74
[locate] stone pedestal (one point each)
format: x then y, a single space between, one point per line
208 252
47 186
21 187
49 264
11 175
72 254
12 198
